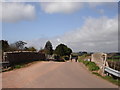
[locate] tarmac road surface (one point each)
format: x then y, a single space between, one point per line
53 75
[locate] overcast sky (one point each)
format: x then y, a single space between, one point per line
88 26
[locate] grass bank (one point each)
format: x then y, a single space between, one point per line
93 67
90 65
108 78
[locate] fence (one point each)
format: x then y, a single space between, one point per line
114 64
112 71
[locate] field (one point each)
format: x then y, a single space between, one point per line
114 62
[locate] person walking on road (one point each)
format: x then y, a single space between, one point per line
76 59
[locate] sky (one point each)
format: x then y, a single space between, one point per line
82 26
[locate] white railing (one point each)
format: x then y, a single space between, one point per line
112 71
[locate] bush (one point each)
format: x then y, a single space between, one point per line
80 60
17 66
86 62
66 58
57 57
91 66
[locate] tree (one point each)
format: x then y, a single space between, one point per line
30 49
48 48
13 47
20 44
4 46
62 50
41 50
68 51
82 52
26 48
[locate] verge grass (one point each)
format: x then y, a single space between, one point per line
109 78
93 67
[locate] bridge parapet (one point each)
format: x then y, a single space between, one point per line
100 60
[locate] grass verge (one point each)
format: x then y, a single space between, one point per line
108 78
93 67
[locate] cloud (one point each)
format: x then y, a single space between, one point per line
17 11
60 0
101 11
97 34
60 7
95 4
14 12
70 7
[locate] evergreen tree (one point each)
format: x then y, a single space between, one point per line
62 50
48 48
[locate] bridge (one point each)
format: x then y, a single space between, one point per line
101 60
53 75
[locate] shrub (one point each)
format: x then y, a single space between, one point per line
66 58
93 68
86 62
17 66
57 57
91 65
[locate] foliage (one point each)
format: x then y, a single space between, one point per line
48 48
30 49
62 50
17 66
20 44
4 46
75 54
41 51
91 65
82 53
82 57
57 57
66 58
13 47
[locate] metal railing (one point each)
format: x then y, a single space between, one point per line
112 71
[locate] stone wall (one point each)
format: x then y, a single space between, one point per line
99 59
0 55
21 57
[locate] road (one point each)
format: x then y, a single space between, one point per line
53 75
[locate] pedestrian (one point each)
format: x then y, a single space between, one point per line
76 59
